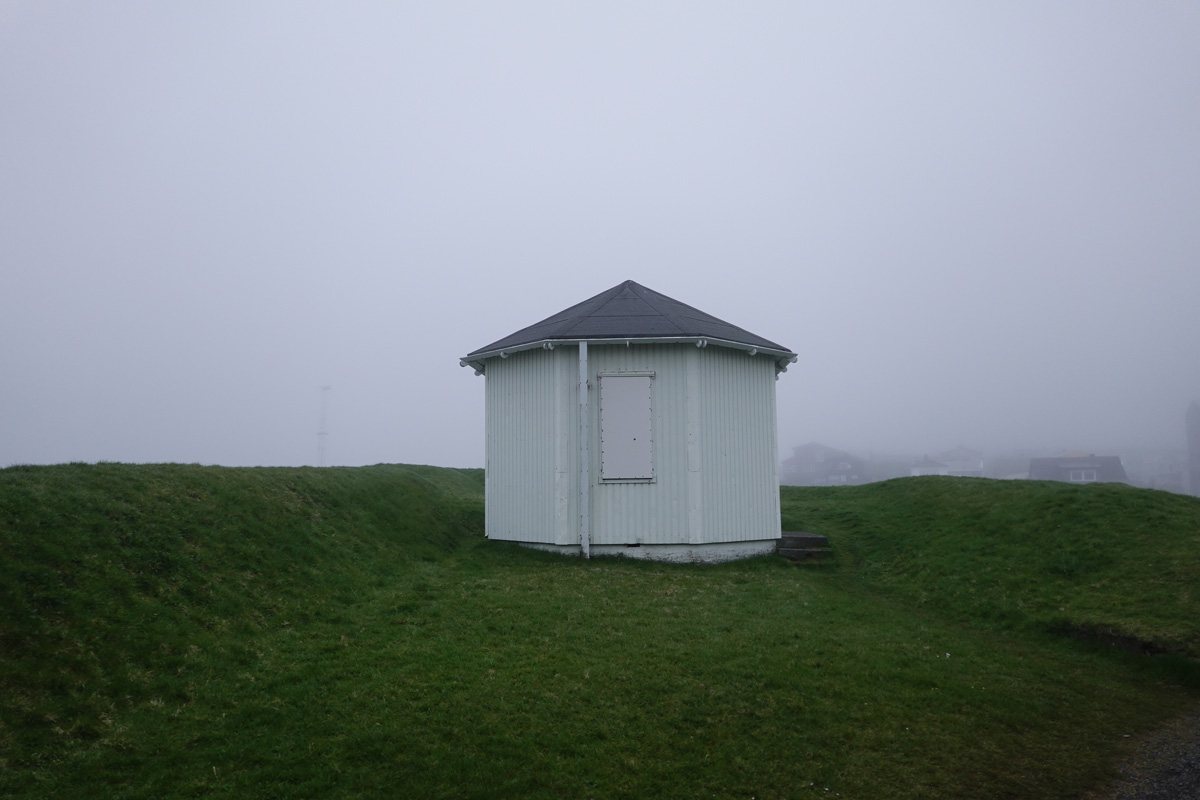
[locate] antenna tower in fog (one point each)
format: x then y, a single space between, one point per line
322 433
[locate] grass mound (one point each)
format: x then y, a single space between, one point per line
1104 562
114 577
183 631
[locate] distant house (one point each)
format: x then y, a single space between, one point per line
927 466
962 462
1078 468
816 464
1165 470
1192 420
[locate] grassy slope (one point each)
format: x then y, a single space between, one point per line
189 631
1104 558
113 575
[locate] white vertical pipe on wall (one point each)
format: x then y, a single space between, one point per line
585 464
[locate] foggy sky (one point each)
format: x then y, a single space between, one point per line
977 224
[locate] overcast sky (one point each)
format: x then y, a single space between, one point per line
977 223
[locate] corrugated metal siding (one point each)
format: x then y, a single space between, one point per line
714 432
739 475
521 428
647 513
567 459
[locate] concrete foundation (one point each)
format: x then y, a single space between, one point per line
712 553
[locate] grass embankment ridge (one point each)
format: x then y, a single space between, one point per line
1105 562
113 577
196 631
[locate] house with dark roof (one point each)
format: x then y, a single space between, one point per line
632 424
1155 468
815 464
962 462
1192 424
927 466
1078 468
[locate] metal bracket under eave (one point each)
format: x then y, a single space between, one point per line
475 365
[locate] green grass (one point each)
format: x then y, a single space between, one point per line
1104 559
183 631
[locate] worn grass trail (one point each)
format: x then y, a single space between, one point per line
349 633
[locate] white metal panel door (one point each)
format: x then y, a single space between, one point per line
626 428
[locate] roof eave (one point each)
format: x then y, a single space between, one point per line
477 361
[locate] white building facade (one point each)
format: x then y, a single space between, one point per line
623 425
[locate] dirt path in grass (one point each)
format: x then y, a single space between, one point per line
1163 765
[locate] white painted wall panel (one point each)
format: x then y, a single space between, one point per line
738 459
567 456
522 430
646 513
713 423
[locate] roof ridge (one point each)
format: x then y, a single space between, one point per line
570 315
689 311
643 291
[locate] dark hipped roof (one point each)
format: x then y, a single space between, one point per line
629 311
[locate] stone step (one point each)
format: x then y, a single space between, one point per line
803 546
804 553
803 539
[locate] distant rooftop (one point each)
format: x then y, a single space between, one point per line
1102 468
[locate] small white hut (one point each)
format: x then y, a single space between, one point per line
633 424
